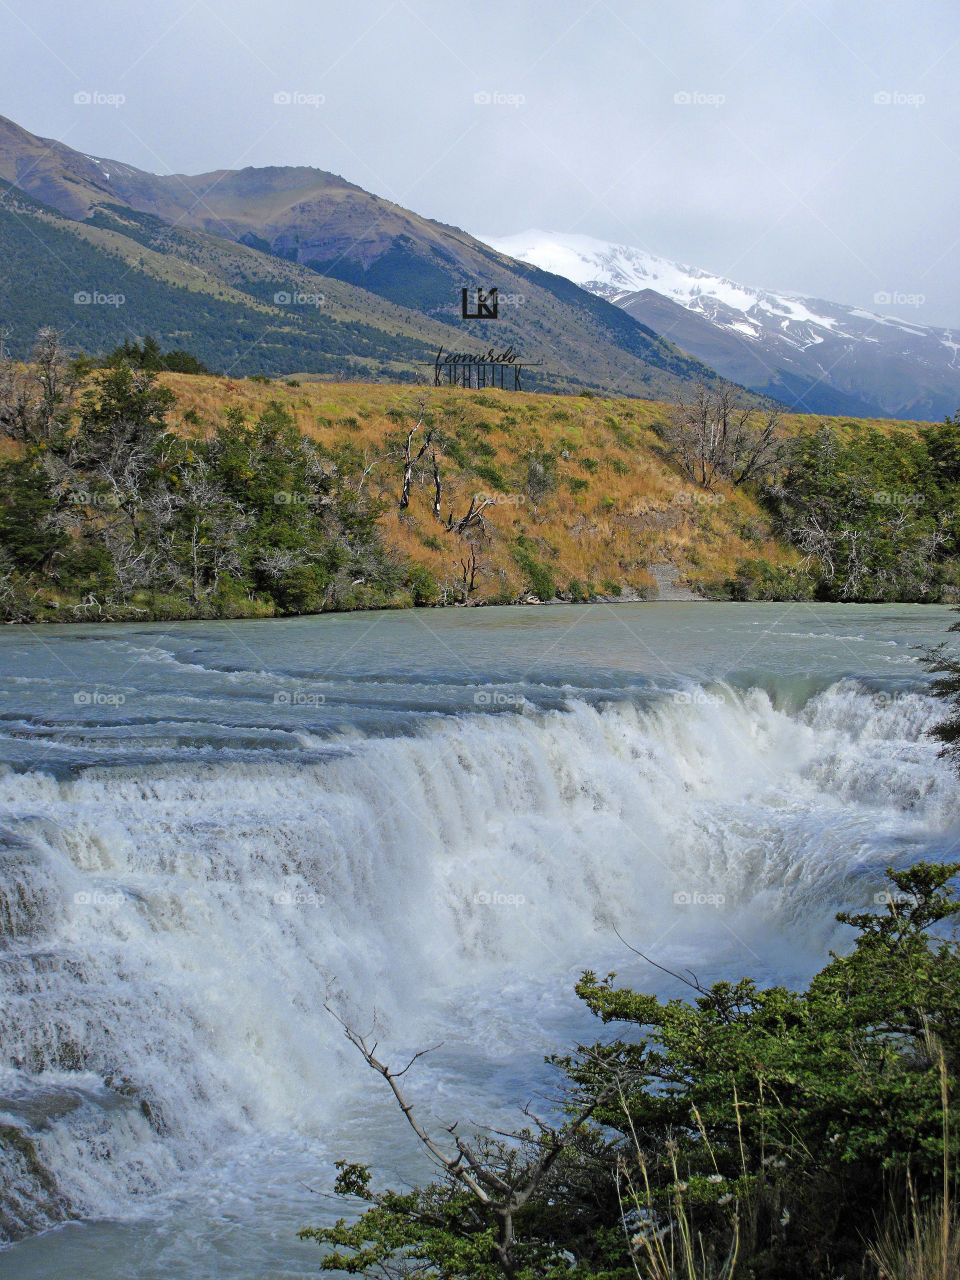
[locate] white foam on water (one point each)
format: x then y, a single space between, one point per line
170 937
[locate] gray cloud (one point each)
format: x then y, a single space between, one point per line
818 150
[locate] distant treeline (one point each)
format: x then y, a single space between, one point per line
149 355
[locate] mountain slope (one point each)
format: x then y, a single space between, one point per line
255 230
816 356
195 292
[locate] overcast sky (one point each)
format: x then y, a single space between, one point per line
817 150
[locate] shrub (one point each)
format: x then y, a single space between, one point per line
423 586
746 1131
539 578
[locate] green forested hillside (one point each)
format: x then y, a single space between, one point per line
236 327
287 270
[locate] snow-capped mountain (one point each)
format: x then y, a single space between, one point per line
814 355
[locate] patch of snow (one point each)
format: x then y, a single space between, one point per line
614 270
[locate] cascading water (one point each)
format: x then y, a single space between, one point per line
170 928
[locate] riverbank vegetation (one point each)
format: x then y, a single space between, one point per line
141 488
744 1132
730 1132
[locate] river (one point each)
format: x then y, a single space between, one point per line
434 818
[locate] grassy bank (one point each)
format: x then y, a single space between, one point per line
187 496
583 483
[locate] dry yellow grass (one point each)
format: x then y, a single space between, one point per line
620 505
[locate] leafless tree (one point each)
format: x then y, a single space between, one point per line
410 459
213 526
367 469
278 561
473 519
851 551
714 438
470 570
437 487
500 1190
135 565
37 397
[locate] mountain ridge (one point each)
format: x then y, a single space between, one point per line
815 355
300 219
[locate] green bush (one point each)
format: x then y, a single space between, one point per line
493 476
422 585
539 578
760 580
756 1124
27 506
541 475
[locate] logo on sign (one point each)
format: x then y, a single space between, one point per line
486 305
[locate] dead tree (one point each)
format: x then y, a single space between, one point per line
470 569
472 520
500 1196
366 471
714 438
36 398
437 488
410 460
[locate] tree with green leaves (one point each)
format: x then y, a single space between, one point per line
944 663
876 515
754 1131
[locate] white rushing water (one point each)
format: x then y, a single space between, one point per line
171 929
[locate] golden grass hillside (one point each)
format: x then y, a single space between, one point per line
618 507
